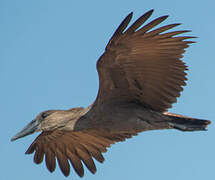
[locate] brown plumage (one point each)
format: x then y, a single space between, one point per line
140 76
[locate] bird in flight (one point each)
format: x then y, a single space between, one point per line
140 76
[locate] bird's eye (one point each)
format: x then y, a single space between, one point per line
44 115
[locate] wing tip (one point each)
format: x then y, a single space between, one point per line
131 14
164 17
149 12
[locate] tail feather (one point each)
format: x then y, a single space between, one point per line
185 123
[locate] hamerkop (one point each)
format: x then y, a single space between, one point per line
140 76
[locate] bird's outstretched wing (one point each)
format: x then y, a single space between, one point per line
76 147
143 65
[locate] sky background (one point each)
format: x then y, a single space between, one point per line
48 53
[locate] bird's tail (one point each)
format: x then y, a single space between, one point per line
184 123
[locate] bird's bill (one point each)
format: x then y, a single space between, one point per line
29 129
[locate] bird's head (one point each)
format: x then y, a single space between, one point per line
50 120
34 126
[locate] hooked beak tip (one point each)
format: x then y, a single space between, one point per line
13 138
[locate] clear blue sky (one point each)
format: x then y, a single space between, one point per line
48 52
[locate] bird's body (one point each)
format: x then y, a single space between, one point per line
140 75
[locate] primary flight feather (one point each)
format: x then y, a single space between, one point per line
140 76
